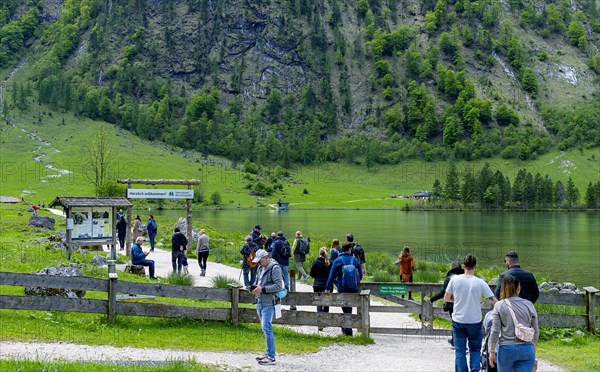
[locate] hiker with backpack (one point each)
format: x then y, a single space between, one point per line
248 266
346 272
300 248
358 252
281 252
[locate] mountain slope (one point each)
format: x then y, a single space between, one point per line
296 81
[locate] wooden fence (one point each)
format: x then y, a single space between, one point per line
590 300
234 296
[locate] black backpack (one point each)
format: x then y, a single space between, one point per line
303 246
286 250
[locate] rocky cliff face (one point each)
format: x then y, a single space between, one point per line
246 48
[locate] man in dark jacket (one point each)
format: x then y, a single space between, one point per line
455 269
122 232
336 275
178 248
257 236
358 252
152 229
277 248
529 287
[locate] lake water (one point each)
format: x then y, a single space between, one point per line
558 246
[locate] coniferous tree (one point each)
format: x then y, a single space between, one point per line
452 187
572 196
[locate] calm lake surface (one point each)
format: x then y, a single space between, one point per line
558 246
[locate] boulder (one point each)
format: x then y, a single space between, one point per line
60 292
43 222
59 236
98 261
182 225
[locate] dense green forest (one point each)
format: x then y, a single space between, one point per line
299 82
489 189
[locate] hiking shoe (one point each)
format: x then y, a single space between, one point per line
267 361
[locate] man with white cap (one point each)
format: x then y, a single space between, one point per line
269 280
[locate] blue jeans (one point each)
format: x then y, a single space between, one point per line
265 314
461 332
286 276
516 357
151 236
176 260
249 274
148 263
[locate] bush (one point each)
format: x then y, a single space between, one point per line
215 198
111 189
177 278
222 281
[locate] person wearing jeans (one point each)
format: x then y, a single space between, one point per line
269 280
249 271
466 291
464 333
178 247
138 256
514 354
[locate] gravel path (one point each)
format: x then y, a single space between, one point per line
389 353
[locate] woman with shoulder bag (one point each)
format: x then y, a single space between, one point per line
514 328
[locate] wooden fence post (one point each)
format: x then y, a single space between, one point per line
365 299
292 286
112 292
426 310
590 308
235 304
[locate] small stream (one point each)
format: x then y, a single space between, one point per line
40 153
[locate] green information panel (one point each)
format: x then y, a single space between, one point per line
393 289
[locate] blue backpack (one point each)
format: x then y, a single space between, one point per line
350 278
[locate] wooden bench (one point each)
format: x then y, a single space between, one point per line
135 269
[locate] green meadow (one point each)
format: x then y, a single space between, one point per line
329 185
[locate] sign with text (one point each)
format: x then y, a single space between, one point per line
393 289
159 194
91 223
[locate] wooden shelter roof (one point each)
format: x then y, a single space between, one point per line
89 201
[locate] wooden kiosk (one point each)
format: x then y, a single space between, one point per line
91 220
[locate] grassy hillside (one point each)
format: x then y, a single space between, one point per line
335 185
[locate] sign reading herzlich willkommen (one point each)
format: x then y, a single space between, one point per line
159 194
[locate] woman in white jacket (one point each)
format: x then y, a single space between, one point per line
514 354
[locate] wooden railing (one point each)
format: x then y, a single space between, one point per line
234 296
590 300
